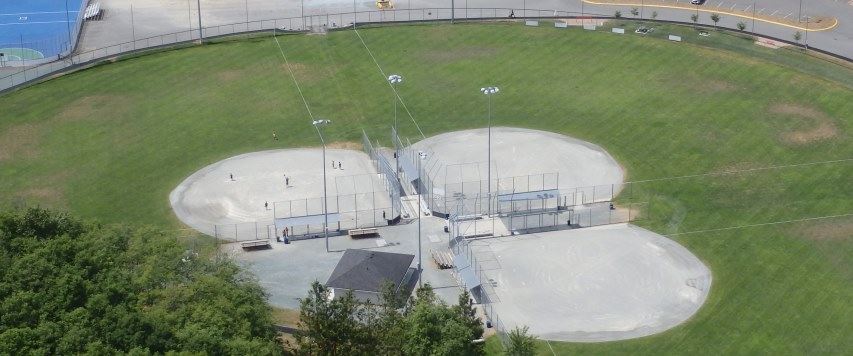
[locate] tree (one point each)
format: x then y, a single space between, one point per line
336 326
424 325
694 18
654 15
521 343
71 287
431 327
635 11
617 14
715 18
798 36
741 25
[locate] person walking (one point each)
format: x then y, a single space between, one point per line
340 166
333 164
274 136
232 176
286 181
267 206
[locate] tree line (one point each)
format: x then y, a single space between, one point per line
69 286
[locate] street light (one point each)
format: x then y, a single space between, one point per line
489 91
317 124
395 79
421 157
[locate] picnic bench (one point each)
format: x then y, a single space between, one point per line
256 244
360 233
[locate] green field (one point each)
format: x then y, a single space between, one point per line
111 142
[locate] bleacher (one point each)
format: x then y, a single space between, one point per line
93 12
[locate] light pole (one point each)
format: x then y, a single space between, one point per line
753 18
68 27
395 79
489 91
317 124
200 35
800 13
421 157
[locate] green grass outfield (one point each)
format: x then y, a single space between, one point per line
111 143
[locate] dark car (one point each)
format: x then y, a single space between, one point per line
697 2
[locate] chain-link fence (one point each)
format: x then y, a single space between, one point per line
542 216
467 269
248 231
32 70
387 172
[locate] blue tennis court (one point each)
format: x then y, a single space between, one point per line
34 29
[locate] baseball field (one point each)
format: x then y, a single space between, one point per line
743 152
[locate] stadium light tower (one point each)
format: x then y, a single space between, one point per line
489 91
395 79
421 157
317 124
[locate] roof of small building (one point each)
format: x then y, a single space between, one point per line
367 270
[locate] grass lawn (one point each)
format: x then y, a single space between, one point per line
112 142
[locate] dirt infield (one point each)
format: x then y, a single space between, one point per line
596 284
461 156
211 197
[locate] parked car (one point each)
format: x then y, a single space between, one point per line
697 2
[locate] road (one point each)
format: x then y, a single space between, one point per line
128 19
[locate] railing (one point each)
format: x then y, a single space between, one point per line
33 71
